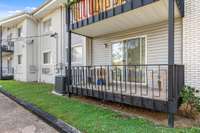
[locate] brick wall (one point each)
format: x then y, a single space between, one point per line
191 43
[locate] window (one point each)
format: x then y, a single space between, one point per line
77 54
19 58
130 52
19 32
46 58
47 25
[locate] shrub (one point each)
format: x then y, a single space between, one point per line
190 104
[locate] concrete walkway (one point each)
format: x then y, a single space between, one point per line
15 119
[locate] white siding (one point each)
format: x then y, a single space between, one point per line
31 51
157 43
191 43
20 70
48 44
23 47
77 40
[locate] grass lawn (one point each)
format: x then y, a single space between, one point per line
86 117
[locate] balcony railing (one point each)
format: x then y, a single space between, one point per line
88 11
139 85
7 73
88 8
8 46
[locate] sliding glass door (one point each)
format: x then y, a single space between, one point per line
126 53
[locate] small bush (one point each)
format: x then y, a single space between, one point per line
190 104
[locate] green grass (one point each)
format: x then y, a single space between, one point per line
86 117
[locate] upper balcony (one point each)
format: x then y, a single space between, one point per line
7 47
99 17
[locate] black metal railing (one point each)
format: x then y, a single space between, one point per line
8 46
7 71
124 82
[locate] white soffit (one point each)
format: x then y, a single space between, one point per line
146 15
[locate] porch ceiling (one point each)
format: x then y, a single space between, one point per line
149 14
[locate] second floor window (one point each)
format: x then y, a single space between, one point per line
47 58
47 26
19 32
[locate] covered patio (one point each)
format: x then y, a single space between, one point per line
133 82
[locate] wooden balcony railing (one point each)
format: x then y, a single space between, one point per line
88 8
86 12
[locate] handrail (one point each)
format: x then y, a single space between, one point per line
129 78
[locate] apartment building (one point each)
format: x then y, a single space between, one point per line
13 31
39 42
142 51
124 24
50 18
137 52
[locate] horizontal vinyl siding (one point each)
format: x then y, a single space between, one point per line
157 43
191 43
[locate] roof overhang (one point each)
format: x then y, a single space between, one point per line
149 14
47 8
14 19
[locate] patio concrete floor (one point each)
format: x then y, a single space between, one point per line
15 119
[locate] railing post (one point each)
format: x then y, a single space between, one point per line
69 73
170 62
1 71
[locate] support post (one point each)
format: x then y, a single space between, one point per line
69 73
1 75
171 102
1 71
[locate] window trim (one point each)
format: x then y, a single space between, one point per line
50 62
146 53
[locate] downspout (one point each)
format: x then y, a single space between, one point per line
61 41
39 49
69 73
